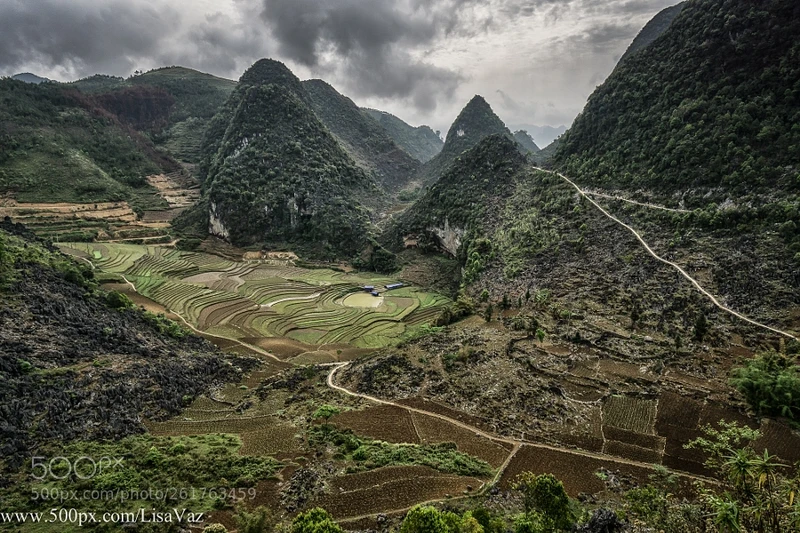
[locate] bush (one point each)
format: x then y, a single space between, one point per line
118 300
771 385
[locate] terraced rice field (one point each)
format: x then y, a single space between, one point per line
255 300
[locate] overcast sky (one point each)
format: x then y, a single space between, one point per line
535 61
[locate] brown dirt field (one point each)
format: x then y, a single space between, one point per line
434 430
677 410
624 370
165 215
279 439
281 347
384 422
634 453
584 442
366 480
651 442
396 494
424 404
780 440
576 472
713 413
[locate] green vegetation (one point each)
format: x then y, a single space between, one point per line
315 521
365 141
547 507
771 384
368 454
59 145
421 143
200 472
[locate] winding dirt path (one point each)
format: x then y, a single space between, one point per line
666 261
643 204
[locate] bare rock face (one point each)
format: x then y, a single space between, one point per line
215 225
449 237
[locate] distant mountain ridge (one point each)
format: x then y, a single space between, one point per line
474 123
366 141
421 142
542 135
27 77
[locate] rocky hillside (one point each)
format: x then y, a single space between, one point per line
475 122
275 174
363 139
653 29
421 142
79 363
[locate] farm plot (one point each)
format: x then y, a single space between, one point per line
392 488
433 430
384 422
265 435
253 300
575 471
629 413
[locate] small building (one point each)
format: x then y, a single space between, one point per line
375 293
393 286
368 288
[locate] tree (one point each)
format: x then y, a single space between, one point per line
259 520
771 385
316 520
540 334
700 327
487 313
545 495
422 519
326 411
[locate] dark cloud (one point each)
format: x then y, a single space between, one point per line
79 37
374 45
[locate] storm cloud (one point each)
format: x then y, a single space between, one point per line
420 59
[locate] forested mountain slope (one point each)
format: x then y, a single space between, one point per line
451 207
421 143
189 99
277 175
57 144
707 114
475 122
366 141
714 102
524 139
653 29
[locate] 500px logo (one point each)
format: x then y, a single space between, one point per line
62 467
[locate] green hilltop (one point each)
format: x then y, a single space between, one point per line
277 174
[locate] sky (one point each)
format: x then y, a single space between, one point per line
535 61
